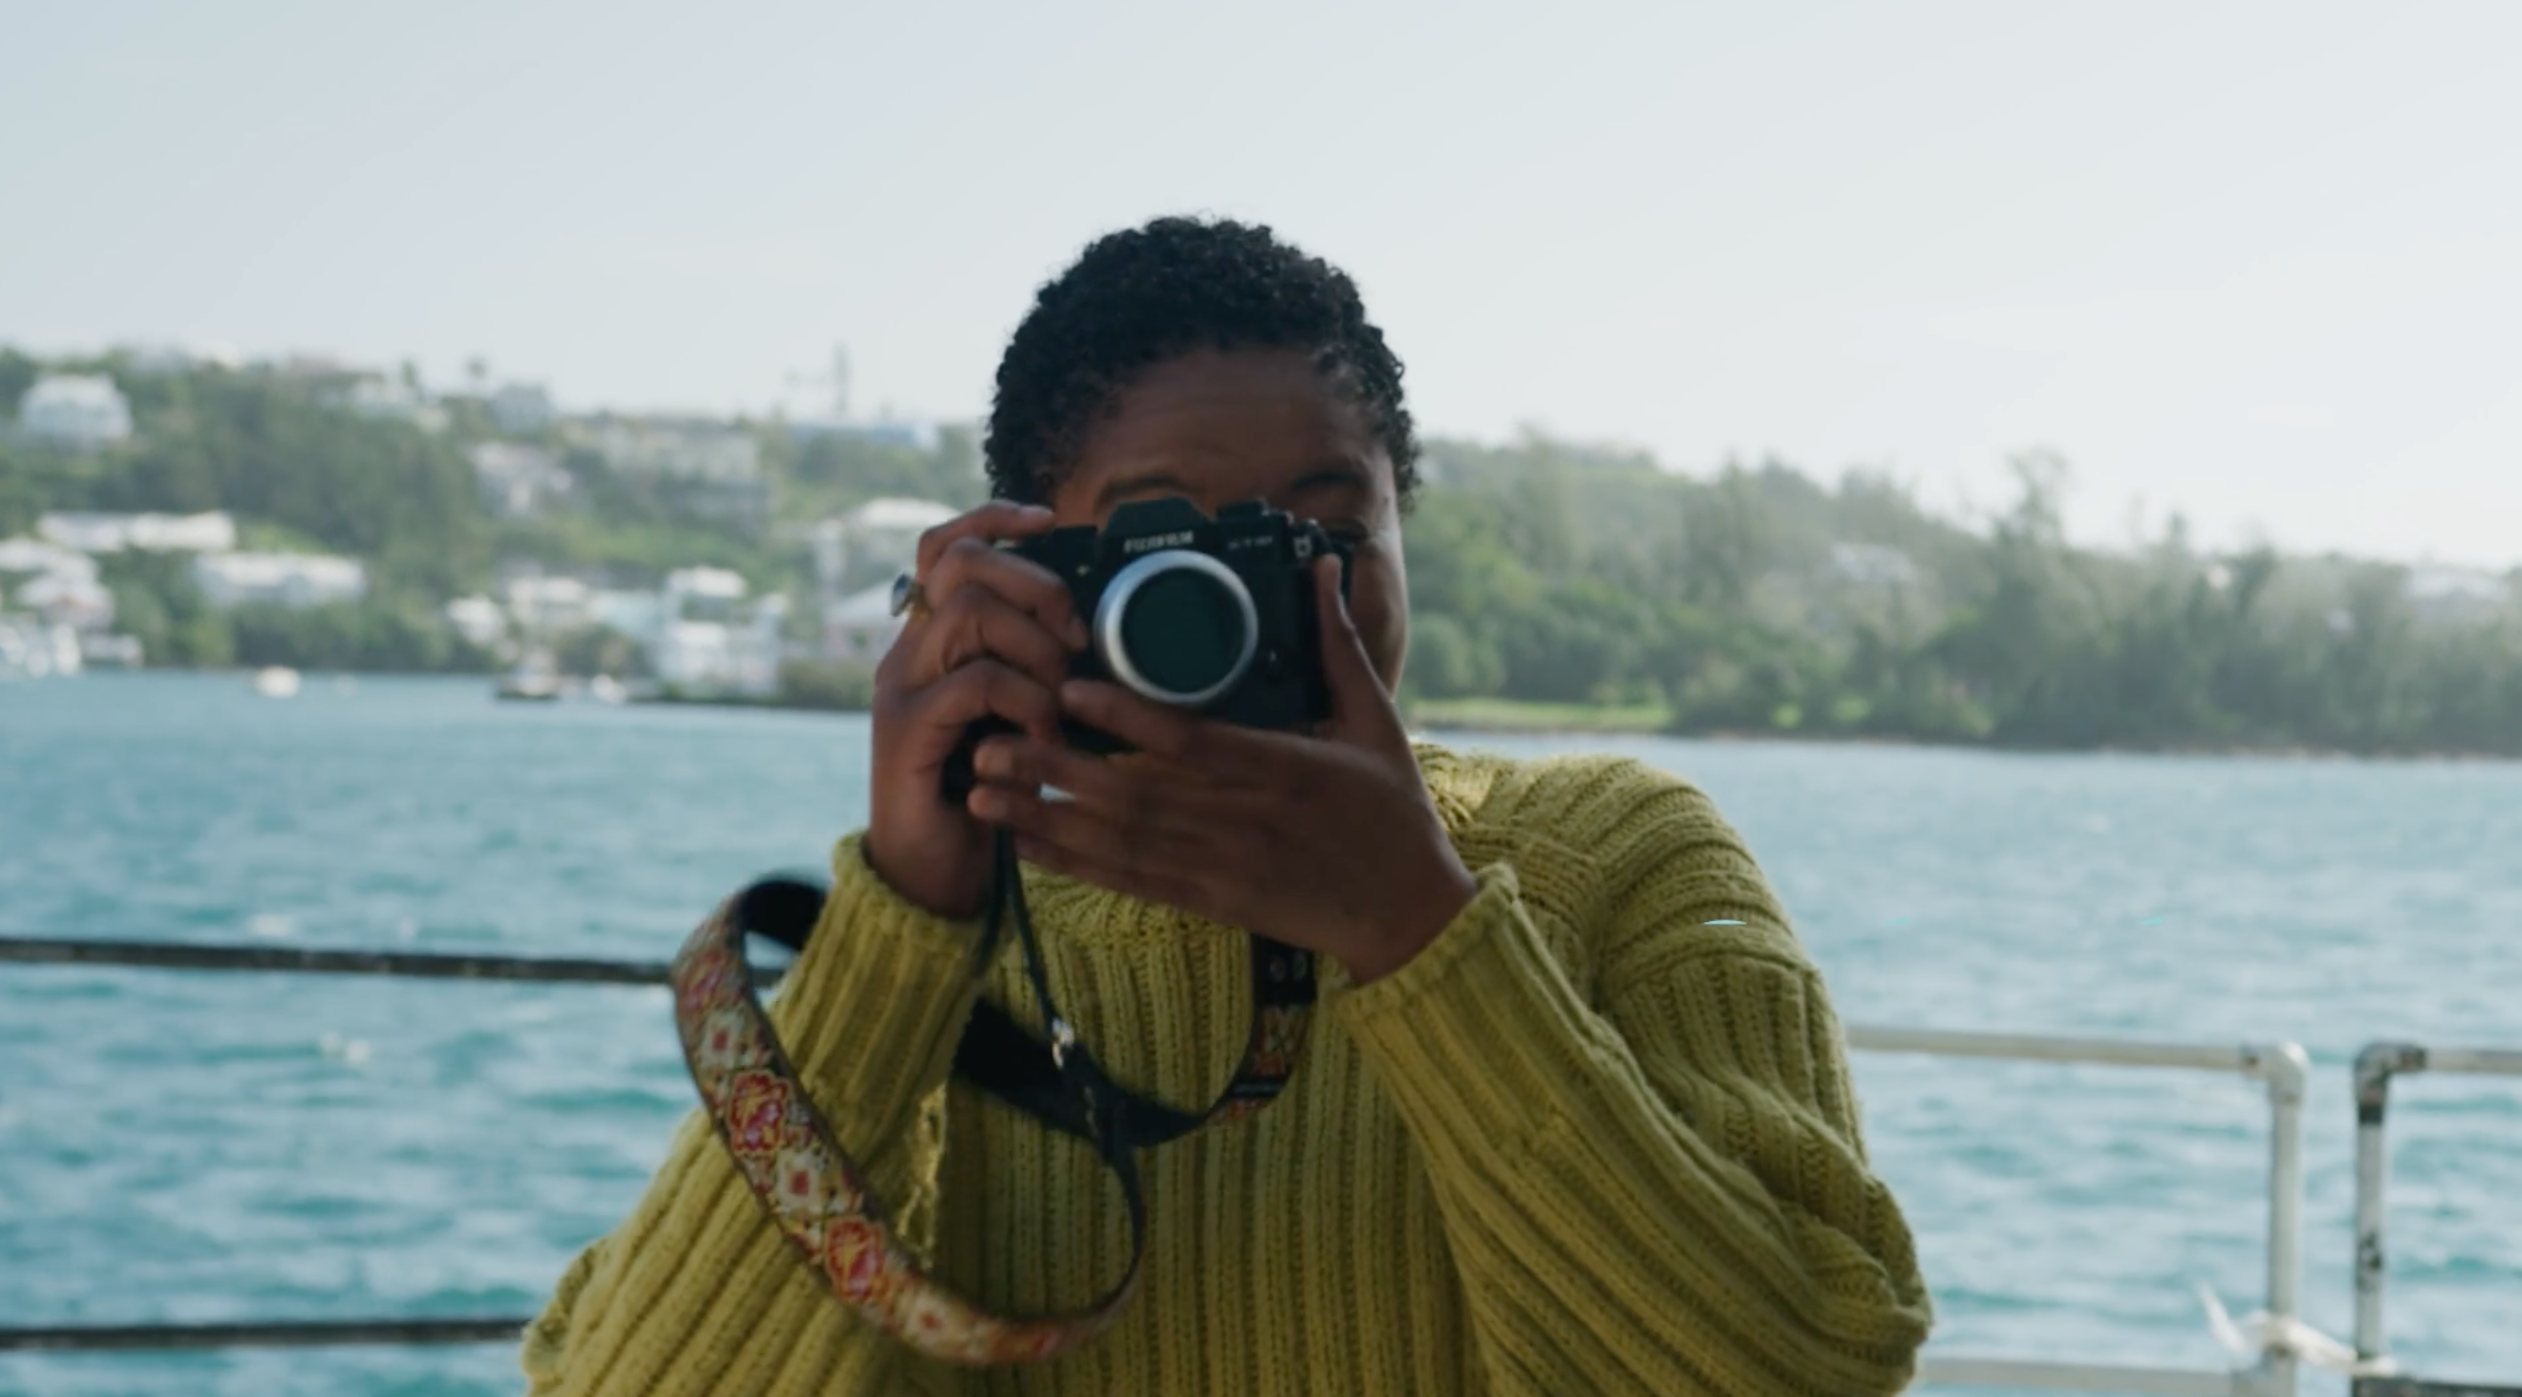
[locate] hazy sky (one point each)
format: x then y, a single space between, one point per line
2256 262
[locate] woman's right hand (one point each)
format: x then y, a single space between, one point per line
993 641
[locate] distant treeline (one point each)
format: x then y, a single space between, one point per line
1760 601
1755 601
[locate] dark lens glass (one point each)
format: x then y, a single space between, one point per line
1183 630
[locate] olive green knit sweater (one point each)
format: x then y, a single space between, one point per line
1597 1138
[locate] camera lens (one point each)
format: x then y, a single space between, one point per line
1177 626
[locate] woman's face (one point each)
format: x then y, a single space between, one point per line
1218 426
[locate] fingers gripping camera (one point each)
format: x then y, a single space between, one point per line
1216 614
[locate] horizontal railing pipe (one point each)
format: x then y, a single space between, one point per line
2082 1377
425 965
2024 1047
130 1338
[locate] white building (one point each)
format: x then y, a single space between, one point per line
479 620
32 649
283 579
516 480
676 450
523 408
64 595
878 538
634 614
394 400
70 598
549 606
704 594
706 467
214 532
861 627
892 527
27 556
711 638
79 411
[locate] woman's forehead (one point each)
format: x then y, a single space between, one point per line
1221 425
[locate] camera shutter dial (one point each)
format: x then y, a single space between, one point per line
1177 626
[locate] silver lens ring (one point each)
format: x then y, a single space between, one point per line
1115 606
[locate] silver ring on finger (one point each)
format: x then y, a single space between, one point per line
910 600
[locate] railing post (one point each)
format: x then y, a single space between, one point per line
2286 1069
2374 1068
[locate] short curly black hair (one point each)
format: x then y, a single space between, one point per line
1137 298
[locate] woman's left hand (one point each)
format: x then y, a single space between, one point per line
1328 841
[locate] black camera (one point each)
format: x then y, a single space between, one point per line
1216 615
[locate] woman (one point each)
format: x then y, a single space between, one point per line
1575 1116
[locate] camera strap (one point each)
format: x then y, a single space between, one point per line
818 1195
1059 1082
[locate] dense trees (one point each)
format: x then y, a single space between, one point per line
1758 601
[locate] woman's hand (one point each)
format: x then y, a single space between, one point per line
1328 842
994 641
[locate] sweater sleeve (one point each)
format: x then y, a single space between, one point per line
695 1292
1660 1187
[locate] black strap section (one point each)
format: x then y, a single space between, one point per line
1062 1085
783 909
1068 1091
1000 1057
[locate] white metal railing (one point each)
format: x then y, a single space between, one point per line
2375 1067
2283 1067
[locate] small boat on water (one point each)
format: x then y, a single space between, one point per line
276 681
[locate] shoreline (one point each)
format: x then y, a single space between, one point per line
1499 722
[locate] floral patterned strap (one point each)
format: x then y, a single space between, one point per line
818 1196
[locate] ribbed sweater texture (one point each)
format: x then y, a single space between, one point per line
1598 1137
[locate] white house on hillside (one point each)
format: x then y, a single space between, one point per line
549 606
676 450
877 538
523 407
710 638
213 532
396 400
707 467
283 579
79 411
860 627
68 599
27 555
479 620
58 584
516 480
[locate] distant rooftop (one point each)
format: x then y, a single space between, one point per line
716 583
212 532
899 514
77 410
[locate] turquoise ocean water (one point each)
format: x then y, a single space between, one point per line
180 1146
